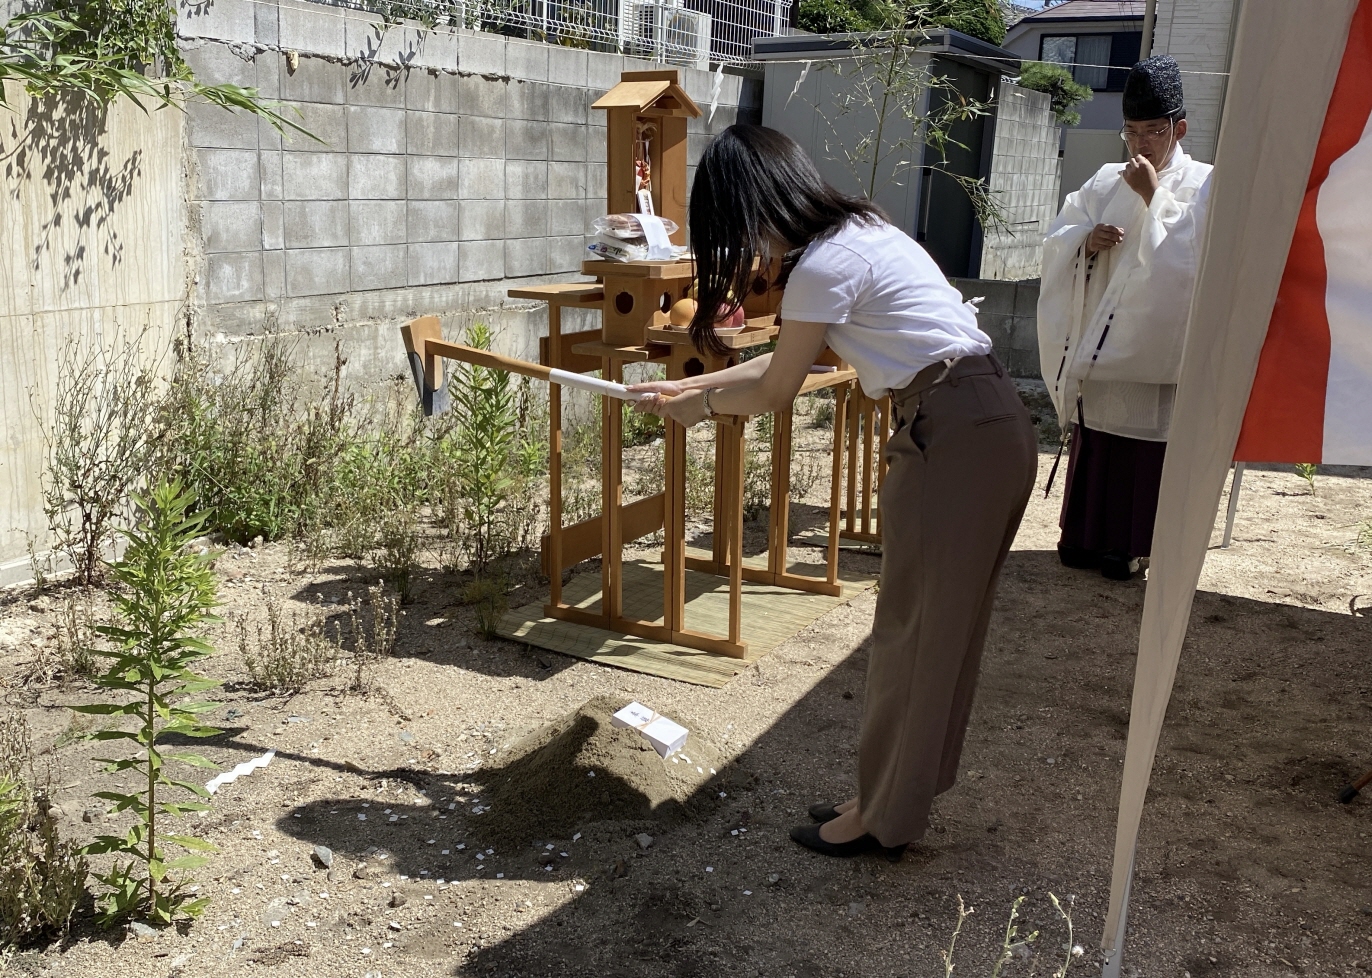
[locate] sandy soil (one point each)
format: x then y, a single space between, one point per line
1247 865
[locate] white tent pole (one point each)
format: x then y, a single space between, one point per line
1234 485
1114 957
1286 57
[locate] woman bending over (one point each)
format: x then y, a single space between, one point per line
961 462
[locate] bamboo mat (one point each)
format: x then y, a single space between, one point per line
771 615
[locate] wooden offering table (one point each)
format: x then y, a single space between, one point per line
650 286
646 173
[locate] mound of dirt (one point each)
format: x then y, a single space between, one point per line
581 769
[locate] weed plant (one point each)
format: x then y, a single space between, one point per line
77 638
486 596
1308 471
398 536
286 657
373 637
103 437
493 457
259 459
640 428
267 454
74 654
42 878
166 597
1015 945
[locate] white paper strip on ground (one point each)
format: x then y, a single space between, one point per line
247 767
1286 57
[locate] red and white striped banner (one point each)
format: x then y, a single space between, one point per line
1312 397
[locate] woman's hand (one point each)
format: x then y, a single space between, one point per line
671 388
686 408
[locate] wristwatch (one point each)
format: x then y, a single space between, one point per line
705 400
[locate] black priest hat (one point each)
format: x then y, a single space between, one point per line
1153 89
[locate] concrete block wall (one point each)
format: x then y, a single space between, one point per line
1008 313
451 165
1025 173
1199 34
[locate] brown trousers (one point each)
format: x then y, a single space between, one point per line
962 464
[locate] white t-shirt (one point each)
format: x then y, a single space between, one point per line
890 311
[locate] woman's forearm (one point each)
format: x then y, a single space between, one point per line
742 373
752 398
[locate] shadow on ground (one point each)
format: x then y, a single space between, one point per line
1245 854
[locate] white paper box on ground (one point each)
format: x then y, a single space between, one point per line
666 736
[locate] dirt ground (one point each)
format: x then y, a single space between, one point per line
1247 865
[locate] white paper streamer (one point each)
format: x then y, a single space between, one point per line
247 767
715 88
659 245
804 70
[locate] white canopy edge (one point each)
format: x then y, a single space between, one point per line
1286 58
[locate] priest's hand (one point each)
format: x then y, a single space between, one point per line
1141 177
1103 237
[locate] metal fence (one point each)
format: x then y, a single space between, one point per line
695 33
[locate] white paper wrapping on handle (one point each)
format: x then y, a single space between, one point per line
594 384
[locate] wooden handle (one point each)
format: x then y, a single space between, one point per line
485 358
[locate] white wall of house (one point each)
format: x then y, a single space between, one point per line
1199 34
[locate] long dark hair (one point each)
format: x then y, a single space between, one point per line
755 187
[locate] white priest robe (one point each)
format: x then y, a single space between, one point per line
1111 327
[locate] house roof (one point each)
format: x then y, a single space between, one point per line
1088 10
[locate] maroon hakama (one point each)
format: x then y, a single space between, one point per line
1111 496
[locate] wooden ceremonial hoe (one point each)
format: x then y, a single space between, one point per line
426 350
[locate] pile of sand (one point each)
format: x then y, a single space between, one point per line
580 769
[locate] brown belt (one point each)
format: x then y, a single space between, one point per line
946 370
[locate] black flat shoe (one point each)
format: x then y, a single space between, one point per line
1118 566
809 837
823 812
1078 558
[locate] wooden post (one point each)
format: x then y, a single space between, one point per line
674 528
736 450
854 420
670 196
869 415
719 536
779 529
836 485
612 472
555 457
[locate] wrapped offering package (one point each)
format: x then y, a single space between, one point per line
666 736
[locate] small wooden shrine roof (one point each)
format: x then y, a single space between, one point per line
641 90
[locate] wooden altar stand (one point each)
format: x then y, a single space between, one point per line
646 153
605 535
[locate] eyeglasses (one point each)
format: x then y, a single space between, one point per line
1145 136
